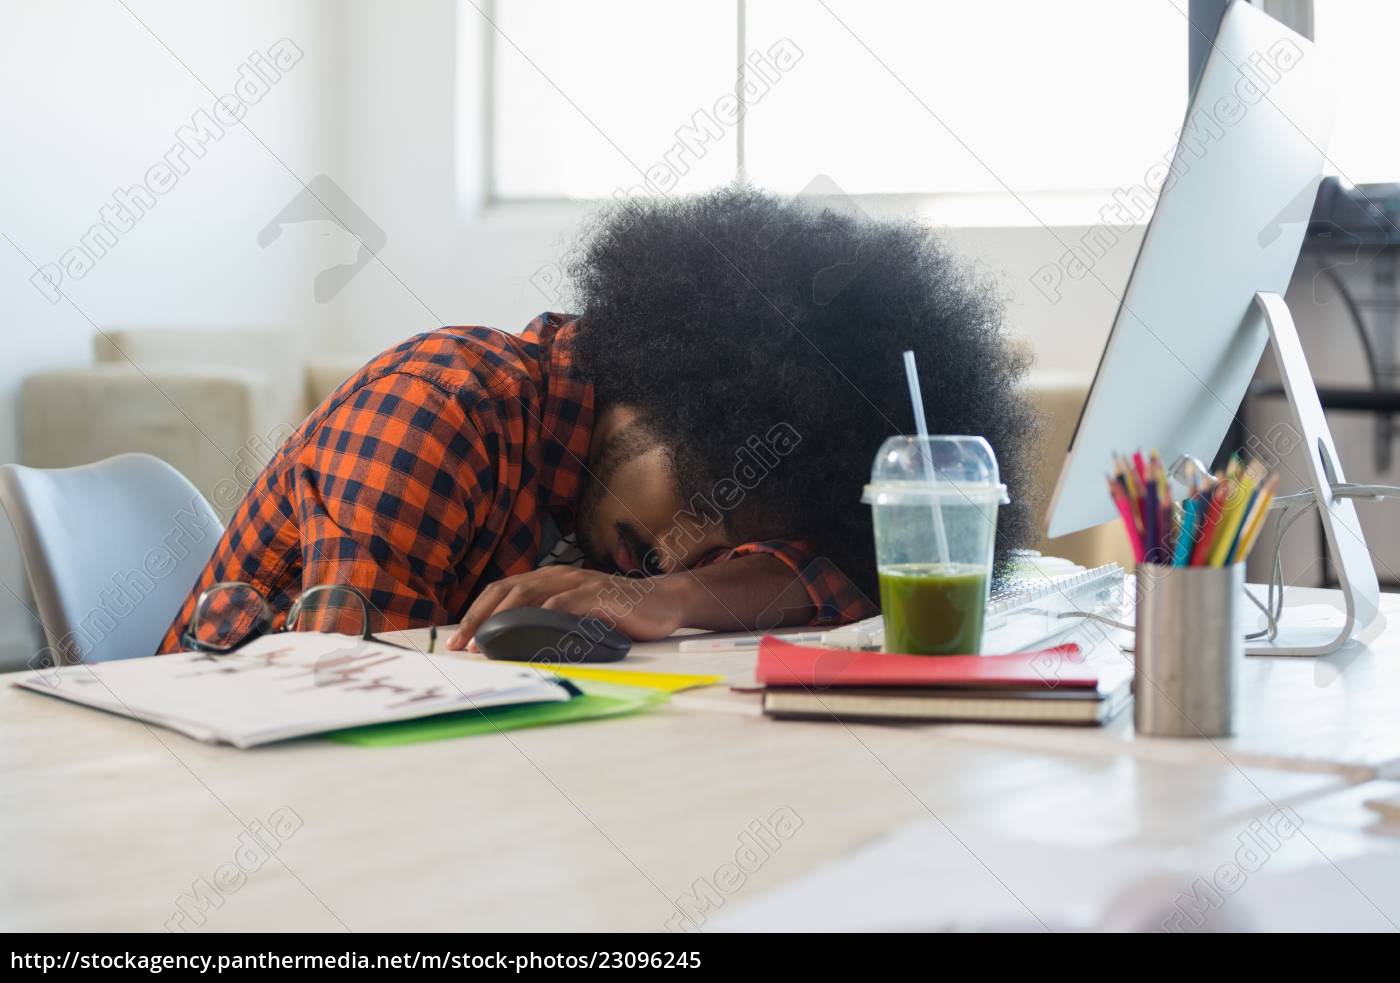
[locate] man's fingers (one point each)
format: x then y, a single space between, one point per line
487 603
483 605
536 588
524 594
580 601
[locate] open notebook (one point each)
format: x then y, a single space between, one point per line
292 685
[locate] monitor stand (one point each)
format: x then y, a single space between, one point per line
1345 543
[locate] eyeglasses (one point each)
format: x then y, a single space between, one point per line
231 614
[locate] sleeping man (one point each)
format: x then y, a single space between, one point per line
686 451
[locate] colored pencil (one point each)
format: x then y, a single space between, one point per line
1150 518
1252 476
1241 492
1120 499
1183 536
1215 523
1129 485
1255 521
1200 553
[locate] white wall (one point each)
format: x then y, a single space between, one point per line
89 101
409 166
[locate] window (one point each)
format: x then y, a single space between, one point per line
1358 36
626 76
884 96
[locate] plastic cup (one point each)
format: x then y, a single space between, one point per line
934 595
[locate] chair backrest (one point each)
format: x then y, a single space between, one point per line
111 550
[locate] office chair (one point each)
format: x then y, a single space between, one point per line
111 550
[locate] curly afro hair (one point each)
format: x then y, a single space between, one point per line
723 315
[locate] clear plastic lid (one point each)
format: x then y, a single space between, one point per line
964 469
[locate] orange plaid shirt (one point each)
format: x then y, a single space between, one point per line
426 476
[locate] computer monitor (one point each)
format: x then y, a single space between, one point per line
1195 316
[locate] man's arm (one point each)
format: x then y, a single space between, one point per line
744 593
831 596
755 591
755 587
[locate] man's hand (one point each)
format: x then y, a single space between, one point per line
643 609
732 595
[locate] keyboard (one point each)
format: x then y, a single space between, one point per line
1024 612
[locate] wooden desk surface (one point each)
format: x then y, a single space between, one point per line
106 823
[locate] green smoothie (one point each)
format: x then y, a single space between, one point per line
933 608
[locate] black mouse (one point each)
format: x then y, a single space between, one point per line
541 635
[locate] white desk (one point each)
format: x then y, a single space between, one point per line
603 825
1338 714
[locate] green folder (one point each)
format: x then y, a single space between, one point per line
597 701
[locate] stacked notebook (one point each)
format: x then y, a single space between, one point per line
1052 686
292 685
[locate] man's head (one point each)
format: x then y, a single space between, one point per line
745 350
632 516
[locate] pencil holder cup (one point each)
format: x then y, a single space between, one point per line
1190 647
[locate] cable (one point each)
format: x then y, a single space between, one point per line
1090 616
1274 610
1375 493
1348 490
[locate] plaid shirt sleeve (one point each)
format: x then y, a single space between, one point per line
387 492
836 600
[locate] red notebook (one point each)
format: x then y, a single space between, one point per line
782 663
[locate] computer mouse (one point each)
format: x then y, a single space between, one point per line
541 635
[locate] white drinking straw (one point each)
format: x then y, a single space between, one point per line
911 371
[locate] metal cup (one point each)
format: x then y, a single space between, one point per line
1190 646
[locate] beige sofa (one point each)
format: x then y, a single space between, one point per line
215 403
